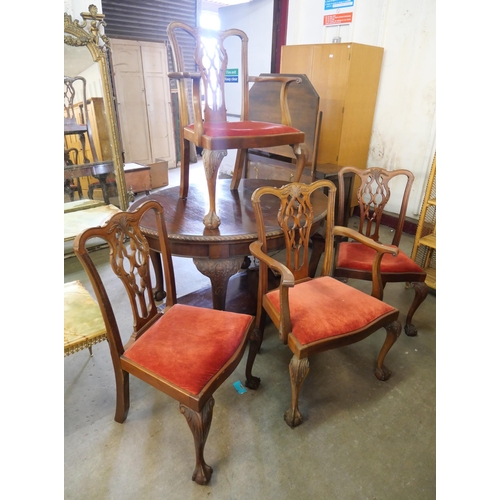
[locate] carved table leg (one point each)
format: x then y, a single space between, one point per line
219 271
298 368
211 163
199 423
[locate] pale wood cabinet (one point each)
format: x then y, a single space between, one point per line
346 77
143 101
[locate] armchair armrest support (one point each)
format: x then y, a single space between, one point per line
287 281
377 285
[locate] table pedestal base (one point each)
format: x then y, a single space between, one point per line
219 271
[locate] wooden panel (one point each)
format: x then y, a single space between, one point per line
297 59
303 103
99 127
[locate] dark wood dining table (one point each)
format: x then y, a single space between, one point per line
217 253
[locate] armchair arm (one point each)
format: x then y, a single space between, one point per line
287 281
285 83
377 285
183 105
286 276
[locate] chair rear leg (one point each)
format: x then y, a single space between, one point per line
298 368
301 152
199 423
239 168
184 179
421 291
393 331
122 395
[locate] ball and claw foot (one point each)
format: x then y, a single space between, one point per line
293 418
411 331
252 382
211 220
202 474
383 374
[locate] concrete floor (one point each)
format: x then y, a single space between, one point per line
361 438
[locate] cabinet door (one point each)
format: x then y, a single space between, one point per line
131 100
156 83
326 65
360 99
330 70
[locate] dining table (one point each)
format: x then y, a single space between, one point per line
217 253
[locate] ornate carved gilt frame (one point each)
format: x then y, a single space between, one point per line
89 33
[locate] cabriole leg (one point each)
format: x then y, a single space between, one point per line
298 368
199 423
211 163
393 332
421 291
253 348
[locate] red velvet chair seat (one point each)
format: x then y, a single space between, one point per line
323 308
245 128
353 255
189 345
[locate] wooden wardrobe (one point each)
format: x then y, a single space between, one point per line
346 77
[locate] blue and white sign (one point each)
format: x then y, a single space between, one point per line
338 4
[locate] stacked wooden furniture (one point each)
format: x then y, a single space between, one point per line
424 247
346 77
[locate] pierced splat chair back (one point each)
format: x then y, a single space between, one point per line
373 195
297 219
200 60
207 55
130 261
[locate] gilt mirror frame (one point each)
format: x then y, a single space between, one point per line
90 34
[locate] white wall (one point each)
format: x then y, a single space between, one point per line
256 20
404 123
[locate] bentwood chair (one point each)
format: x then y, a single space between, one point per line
184 351
353 260
313 315
201 73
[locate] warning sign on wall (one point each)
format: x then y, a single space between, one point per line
340 18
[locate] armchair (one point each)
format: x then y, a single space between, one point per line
353 260
313 315
201 79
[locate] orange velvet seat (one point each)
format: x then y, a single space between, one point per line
358 256
189 345
311 303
